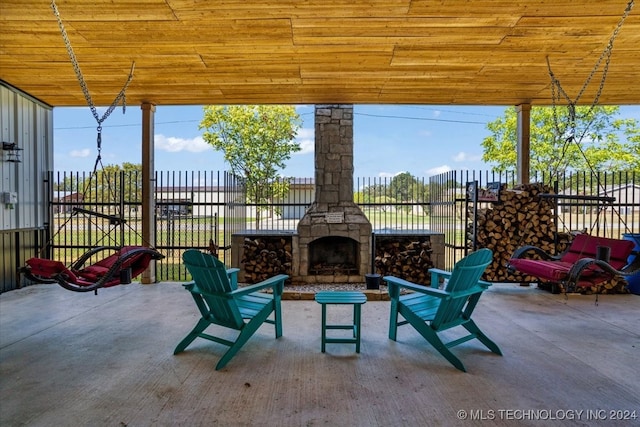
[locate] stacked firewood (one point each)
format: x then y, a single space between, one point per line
404 257
264 257
615 285
521 217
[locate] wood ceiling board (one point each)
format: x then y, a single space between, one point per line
551 8
348 61
596 23
178 35
445 56
103 10
315 49
401 26
186 9
487 36
299 54
58 50
188 63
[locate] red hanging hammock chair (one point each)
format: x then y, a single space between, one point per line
119 267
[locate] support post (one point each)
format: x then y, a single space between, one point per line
523 146
148 190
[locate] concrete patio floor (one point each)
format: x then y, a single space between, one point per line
69 359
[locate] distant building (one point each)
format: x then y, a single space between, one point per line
206 201
301 194
65 201
625 194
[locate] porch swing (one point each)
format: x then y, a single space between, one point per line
118 264
589 260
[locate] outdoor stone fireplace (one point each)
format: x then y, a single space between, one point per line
333 240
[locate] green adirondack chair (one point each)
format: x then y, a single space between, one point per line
221 303
431 310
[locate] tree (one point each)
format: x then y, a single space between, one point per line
633 135
405 187
111 181
402 188
256 141
69 183
557 146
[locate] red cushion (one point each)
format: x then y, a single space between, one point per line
45 267
549 270
108 261
49 268
93 272
586 246
137 263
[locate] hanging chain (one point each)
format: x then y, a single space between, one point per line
570 131
557 91
606 56
120 98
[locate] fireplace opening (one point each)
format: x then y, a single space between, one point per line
333 255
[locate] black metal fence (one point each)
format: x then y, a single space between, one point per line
449 206
195 209
603 204
104 210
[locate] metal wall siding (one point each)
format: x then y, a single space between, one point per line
17 247
7 262
7 133
29 124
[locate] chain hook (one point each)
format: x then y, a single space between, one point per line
99 139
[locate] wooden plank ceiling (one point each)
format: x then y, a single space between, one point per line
193 52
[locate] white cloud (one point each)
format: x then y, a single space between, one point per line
390 174
438 170
174 145
306 140
466 157
85 152
437 113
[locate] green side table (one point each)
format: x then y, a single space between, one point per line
341 297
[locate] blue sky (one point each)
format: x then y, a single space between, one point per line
388 139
